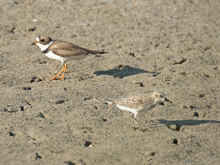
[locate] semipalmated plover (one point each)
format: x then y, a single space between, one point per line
138 104
63 51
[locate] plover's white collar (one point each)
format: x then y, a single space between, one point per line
43 47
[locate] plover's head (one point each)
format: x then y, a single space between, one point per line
159 97
43 42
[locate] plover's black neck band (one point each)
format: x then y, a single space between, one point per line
46 46
46 51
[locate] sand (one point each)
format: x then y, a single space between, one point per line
170 46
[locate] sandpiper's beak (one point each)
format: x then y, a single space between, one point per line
34 43
168 101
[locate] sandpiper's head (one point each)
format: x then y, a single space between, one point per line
159 97
43 42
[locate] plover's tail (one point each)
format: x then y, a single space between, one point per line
111 104
95 51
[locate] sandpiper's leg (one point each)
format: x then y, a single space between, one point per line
134 119
111 105
63 70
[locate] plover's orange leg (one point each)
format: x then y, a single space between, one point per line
63 70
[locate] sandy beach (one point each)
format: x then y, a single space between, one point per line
171 46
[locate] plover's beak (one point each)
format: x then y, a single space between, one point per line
168 101
34 43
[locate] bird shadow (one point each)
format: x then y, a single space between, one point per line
180 123
124 71
187 122
177 124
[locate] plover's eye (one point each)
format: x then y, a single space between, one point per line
42 40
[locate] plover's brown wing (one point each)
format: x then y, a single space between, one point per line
66 49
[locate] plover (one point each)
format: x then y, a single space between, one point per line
62 51
138 104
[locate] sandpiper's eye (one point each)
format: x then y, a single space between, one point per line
42 40
161 96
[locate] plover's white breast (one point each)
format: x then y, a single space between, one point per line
50 54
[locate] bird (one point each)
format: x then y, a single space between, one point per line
62 51
140 103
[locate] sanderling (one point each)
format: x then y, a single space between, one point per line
138 104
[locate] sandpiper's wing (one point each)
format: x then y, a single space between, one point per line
132 102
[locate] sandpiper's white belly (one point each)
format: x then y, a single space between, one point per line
136 110
133 110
